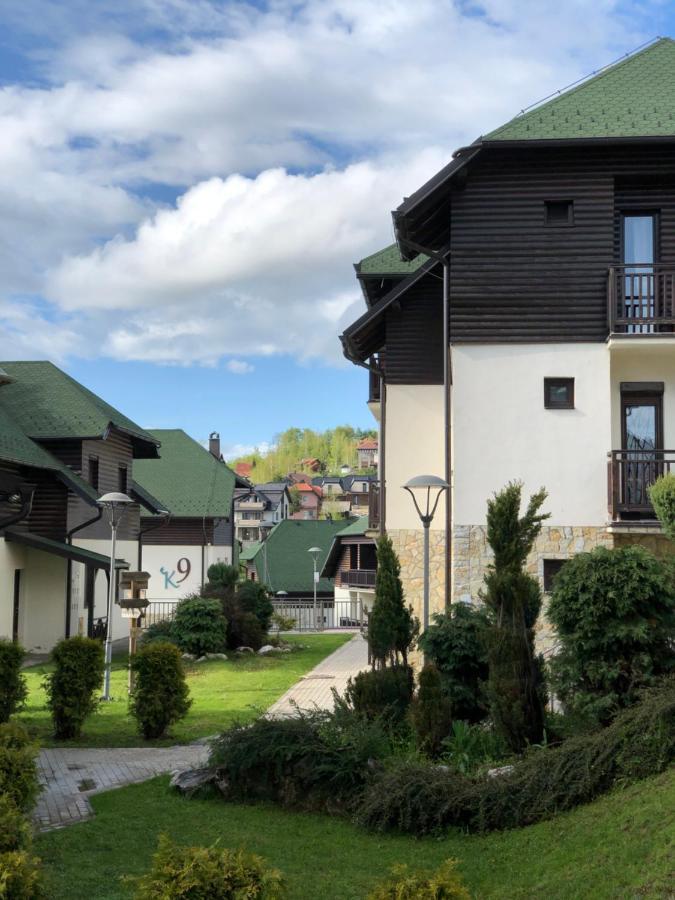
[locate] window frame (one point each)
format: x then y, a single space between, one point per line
559 202
559 381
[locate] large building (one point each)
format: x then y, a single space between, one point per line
523 328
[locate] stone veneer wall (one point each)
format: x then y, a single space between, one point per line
409 547
658 544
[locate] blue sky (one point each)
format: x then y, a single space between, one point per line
185 184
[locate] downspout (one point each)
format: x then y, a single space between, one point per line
164 518
69 564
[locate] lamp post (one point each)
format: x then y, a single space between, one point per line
429 489
115 504
315 555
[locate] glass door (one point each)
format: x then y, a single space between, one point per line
638 239
642 441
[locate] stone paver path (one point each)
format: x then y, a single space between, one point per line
71 775
315 689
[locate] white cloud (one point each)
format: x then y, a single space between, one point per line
239 367
234 451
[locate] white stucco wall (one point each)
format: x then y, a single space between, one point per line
172 584
43 614
642 360
127 550
414 445
502 432
11 558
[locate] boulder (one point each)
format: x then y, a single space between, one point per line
267 649
501 770
189 656
245 650
202 659
188 781
216 656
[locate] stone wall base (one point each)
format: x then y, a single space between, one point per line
409 547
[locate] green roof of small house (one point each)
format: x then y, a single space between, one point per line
249 551
187 479
631 98
282 561
47 404
388 262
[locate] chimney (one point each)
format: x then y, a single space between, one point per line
214 444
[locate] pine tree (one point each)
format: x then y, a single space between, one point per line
431 713
391 625
515 685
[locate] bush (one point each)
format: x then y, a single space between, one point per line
382 693
423 799
468 747
662 495
13 690
614 612
283 623
254 598
20 877
456 643
18 772
243 628
199 626
403 884
15 832
430 712
392 628
71 687
207 873
220 575
314 760
159 631
161 695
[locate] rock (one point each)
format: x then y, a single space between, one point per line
188 781
216 656
202 659
502 770
245 650
188 656
285 650
267 649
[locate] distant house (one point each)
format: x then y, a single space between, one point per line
284 564
310 501
348 495
192 523
62 447
298 478
258 509
366 453
244 469
352 564
311 463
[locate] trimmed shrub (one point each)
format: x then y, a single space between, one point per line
662 495
207 873
161 695
72 686
20 876
402 884
15 832
243 628
392 627
381 693
199 626
423 799
18 771
159 631
254 597
430 712
13 690
614 612
456 643
221 575
314 760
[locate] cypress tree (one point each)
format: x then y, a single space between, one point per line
391 625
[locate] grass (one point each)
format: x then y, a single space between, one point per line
618 847
222 692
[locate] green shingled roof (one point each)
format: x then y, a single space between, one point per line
46 404
389 262
187 479
632 98
282 561
249 551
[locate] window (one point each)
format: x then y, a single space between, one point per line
559 393
93 472
122 479
353 556
559 212
551 569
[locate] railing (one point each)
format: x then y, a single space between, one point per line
158 611
374 505
327 614
358 578
641 299
629 476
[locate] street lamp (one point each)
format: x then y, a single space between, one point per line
429 489
115 504
315 555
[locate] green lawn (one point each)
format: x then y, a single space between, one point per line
619 847
221 692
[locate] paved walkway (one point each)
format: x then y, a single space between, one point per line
71 775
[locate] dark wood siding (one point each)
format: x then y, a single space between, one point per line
414 335
48 515
188 532
513 278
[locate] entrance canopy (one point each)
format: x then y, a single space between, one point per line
68 551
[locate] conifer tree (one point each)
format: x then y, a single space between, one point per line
391 625
515 685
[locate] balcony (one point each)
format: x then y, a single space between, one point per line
641 300
358 578
629 475
250 505
374 505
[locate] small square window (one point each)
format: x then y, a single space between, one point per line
551 569
559 393
559 212
122 479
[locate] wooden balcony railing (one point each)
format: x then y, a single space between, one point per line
358 578
629 475
641 299
374 505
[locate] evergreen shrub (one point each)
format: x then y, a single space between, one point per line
243 628
161 695
72 686
402 884
18 771
254 598
392 628
20 876
161 630
662 495
430 712
207 873
15 831
381 693
13 690
199 626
